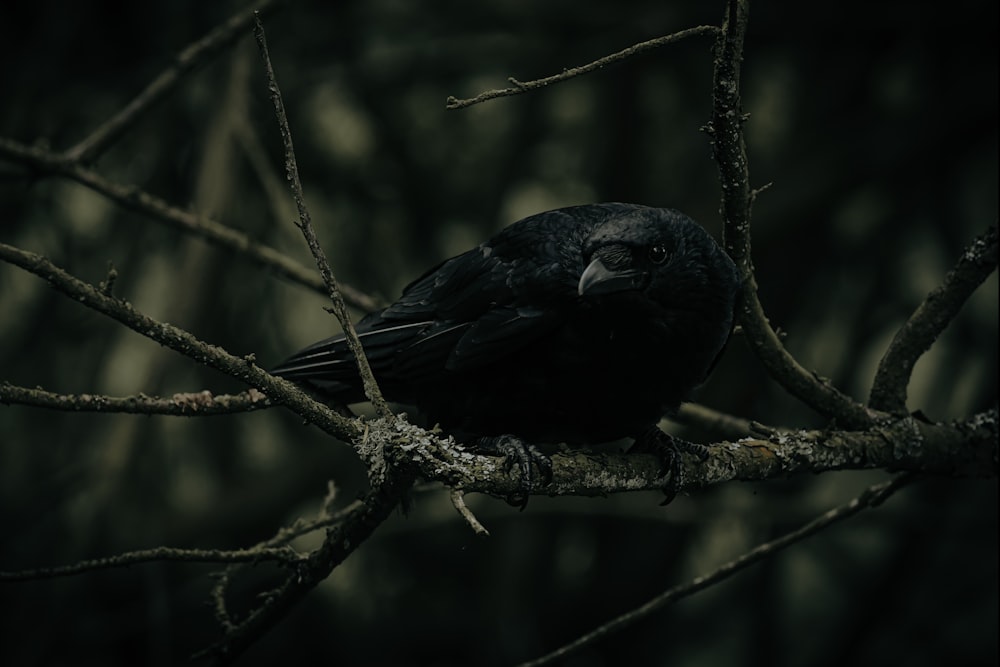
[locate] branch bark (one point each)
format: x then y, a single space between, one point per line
932 316
729 148
243 369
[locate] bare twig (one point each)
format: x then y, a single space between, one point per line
283 555
327 517
193 56
372 391
136 199
929 320
871 497
341 540
634 50
458 500
726 131
193 404
243 369
725 425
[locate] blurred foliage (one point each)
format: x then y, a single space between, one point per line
876 123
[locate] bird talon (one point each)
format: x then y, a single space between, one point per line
669 448
516 451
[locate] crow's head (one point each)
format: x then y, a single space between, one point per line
660 253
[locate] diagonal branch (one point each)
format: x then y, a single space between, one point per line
871 497
726 132
136 199
634 50
339 310
928 321
193 56
341 540
243 369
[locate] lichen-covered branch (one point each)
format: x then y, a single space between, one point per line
190 58
928 321
967 448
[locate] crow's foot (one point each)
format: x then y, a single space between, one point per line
522 454
669 448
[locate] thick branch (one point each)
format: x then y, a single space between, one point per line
726 130
928 321
965 448
243 369
305 225
634 50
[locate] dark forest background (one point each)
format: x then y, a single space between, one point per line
876 123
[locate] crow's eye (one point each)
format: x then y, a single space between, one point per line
658 254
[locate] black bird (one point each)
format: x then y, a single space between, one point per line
578 325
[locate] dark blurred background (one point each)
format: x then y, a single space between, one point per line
876 123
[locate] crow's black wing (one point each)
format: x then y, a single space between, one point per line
471 310
494 299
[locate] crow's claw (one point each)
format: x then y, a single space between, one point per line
522 454
669 448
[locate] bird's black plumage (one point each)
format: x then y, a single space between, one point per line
579 325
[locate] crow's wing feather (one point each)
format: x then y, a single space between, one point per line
469 311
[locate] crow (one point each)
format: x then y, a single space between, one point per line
578 325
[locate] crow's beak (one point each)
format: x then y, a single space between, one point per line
598 279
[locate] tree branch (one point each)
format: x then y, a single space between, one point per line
634 50
193 56
341 540
193 404
339 310
135 199
928 321
284 556
872 497
967 448
726 132
243 369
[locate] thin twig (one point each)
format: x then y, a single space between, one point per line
726 131
243 369
133 198
725 425
928 321
458 500
341 541
634 50
873 496
305 225
193 56
191 404
283 555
